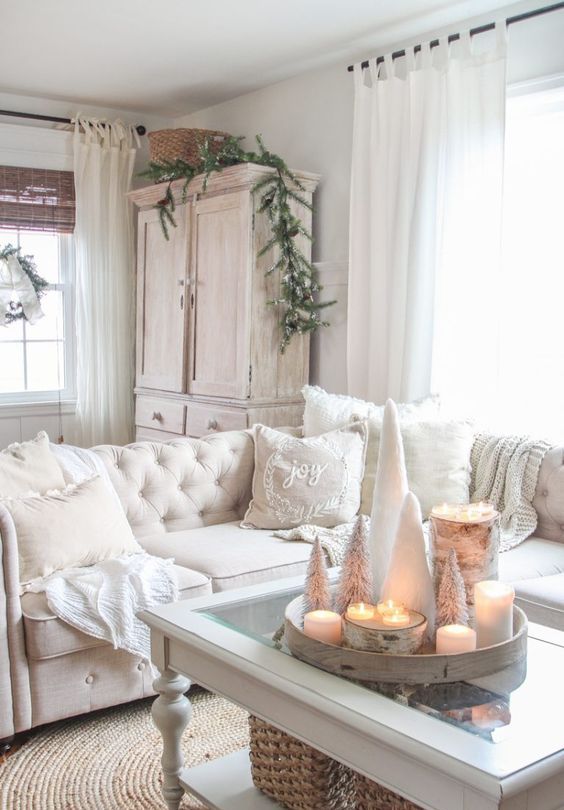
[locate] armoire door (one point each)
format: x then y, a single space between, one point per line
220 295
162 302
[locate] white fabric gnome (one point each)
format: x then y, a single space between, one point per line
408 579
390 490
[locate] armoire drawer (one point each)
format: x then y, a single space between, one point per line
160 414
204 419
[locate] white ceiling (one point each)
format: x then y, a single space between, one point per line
176 56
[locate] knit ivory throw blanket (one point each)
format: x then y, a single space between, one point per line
505 472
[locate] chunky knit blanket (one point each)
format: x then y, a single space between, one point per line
505 472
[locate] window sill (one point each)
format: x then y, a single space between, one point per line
11 409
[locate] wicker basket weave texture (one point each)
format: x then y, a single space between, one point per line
372 796
296 775
168 145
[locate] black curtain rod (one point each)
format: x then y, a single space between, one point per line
527 15
141 130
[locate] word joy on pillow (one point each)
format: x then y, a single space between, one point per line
316 480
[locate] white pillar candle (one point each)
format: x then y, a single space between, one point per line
323 625
359 612
455 638
494 612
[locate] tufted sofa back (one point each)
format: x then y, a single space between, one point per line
549 496
183 484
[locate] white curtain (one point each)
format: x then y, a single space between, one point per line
425 202
103 164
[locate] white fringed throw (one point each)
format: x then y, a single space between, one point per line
103 600
505 472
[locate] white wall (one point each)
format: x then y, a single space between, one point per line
308 121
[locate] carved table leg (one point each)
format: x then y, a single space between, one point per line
171 714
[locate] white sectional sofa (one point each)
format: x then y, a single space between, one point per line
185 499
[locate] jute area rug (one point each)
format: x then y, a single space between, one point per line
110 760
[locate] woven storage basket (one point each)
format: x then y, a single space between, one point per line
372 796
296 775
183 144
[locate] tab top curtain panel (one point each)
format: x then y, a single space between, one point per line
426 198
104 155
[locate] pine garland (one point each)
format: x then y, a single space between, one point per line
301 312
27 264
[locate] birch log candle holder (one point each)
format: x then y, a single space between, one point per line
400 634
472 530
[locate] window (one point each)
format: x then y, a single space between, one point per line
515 384
37 362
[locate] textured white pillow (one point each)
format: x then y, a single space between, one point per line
29 467
324 412
316 480
74 527
437 459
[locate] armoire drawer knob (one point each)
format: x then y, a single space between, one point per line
212 424
157 416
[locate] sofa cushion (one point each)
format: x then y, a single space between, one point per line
542 599
46 636
29 467
73 527
232 557
534 557
183 484
315 480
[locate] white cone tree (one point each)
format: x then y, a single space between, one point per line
317 595
451 593
355 582
408 579
390 490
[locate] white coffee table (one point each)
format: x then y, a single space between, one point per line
427 744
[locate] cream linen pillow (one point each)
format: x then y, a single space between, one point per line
437 459
29 467
315 480
77 526
324 411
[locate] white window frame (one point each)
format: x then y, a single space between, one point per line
66 395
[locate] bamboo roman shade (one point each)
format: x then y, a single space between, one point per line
37 199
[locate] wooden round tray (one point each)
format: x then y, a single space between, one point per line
419 668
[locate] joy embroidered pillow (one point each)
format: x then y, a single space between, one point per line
315 480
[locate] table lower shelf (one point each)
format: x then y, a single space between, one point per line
226 784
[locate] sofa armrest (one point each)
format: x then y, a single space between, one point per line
15 699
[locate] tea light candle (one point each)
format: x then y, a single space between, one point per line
359 612
323 625
494 612
455 638
389 606
397 619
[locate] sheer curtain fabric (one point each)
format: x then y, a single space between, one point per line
426 188
103 164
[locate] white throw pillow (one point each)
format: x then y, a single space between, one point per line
74 527
324 412
29 467
316 480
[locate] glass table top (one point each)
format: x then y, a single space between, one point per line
512 702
